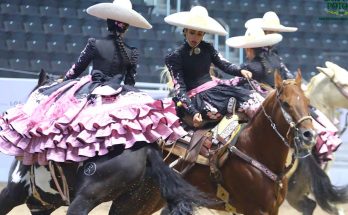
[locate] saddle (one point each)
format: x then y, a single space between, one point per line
206 146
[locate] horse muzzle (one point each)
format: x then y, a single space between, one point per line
307 138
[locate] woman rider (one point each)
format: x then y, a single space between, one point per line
195 91
264 61
83 117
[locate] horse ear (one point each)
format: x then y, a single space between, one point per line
298 78
42 77
326 71
277 80
334 67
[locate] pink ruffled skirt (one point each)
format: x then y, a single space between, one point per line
328 140
61 128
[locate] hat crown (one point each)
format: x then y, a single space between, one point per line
196 19
123 3
271 17
199 11
254 33
198 15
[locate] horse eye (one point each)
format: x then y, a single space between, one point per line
286 105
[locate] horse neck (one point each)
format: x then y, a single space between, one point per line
261 142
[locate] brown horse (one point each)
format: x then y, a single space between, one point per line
253 173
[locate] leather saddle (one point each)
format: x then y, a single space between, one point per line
206 146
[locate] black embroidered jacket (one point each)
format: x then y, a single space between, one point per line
105 54
190 69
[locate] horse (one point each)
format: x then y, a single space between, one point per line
253 174
84 185
327 92
332 83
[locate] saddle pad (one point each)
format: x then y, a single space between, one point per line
226 130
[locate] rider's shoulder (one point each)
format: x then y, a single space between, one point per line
174 54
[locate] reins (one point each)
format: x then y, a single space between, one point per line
297 140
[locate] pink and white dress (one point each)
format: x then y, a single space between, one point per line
61 127
74 120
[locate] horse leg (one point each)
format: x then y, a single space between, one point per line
81 205
144 196
10 197
41 212
117 208
16 191
165 211
112 177
303 204
38 208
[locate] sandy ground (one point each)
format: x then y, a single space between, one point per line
285 209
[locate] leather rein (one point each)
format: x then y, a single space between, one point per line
297 141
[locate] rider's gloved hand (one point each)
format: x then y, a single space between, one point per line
197 120
246 74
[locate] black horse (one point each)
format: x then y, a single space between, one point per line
112 177
310 178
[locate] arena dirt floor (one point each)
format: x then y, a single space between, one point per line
103 209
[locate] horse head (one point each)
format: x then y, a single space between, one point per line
337 75
293 109
328 90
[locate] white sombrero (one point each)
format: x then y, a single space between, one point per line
196 19
254 37
269 22
120 10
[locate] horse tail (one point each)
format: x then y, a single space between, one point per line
179 194
325 193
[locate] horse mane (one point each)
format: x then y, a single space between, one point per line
44 79
314 80
166 78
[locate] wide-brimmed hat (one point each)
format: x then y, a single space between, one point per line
254 37
196 19
120 10
269 22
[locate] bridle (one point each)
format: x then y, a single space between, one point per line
292 126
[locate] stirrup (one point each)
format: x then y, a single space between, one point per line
231 105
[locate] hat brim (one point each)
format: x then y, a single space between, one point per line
243 42
265 27
119 13
211 26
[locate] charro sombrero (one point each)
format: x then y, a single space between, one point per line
269 22
120 10
254 37
196 19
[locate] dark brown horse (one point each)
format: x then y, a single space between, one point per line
256 183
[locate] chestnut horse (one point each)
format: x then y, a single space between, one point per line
256 183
